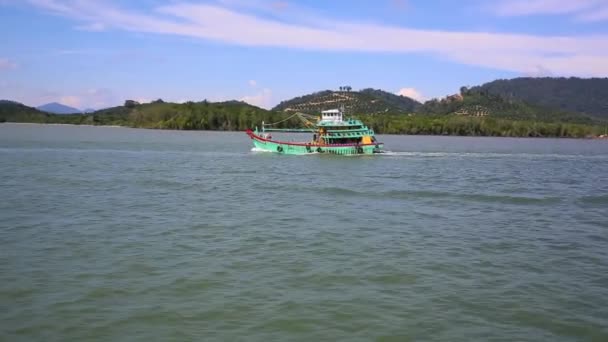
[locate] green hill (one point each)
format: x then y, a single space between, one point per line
587 96
11 111
473 102
364 102
478 103
231 115
473 112
228 116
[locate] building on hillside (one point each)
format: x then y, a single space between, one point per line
477 111
454 98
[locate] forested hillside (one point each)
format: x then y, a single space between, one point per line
229 116
475 102
476 111
586 96
366 101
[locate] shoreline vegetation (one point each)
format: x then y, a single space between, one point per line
473 112
599 136
238 116
469 128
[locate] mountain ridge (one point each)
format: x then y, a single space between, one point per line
573 94
365 101
472 111
58 108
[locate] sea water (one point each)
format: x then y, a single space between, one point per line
120 234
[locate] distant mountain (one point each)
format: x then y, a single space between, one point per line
58 108
587 96
366 101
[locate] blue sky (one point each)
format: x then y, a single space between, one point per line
97 53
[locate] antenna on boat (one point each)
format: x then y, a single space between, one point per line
342 110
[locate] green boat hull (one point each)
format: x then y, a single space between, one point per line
300 149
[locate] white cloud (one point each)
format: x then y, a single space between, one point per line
6 64
533 7
582 10
252 83
262 99
72 101
78 52
35 96
88 98
399 4
280 5
98 98
93 27
412 94
601 14
563 55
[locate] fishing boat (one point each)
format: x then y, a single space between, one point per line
331 133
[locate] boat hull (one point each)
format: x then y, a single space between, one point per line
310 148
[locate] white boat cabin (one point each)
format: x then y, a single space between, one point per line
333 115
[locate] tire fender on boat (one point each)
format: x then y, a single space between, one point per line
360 150
279 148
319 150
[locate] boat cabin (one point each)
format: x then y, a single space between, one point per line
334 129
334 115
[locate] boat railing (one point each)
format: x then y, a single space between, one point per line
288 130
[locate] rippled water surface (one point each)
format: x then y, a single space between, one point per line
118 234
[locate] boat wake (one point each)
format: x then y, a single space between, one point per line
415 154
490 155
255 149
260 150
459 155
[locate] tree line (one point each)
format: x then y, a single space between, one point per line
238 116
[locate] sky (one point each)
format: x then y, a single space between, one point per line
98 53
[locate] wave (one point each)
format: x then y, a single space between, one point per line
423 194
507 199
600 200
160 183
239 172
84 150
415 154
493 155
510 199
341 191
